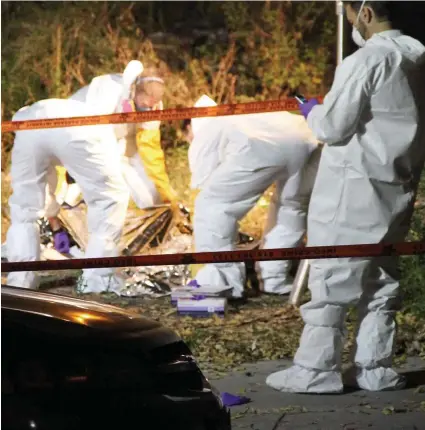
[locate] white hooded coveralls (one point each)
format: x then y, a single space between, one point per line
89 153
105 93
373 123
233 160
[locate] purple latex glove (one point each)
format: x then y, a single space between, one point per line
193 283
305 108
61 242
232 400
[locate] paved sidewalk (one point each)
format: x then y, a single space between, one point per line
356 410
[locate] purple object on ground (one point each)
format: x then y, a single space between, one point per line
232 400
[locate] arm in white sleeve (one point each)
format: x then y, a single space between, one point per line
336 119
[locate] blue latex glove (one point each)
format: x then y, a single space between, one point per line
61 242
305 108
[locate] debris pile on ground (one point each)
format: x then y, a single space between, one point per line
160 281
154 281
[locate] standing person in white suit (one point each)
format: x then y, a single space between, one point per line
89 154
373 124
233 160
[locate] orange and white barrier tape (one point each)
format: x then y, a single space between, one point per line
156 115
314 252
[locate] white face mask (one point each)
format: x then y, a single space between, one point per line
356 36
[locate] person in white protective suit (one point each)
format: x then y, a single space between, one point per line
89 154
373 123
233 160
142 157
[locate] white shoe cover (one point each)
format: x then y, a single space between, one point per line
280 288
100 284
378 379
222 276
297 379
277 284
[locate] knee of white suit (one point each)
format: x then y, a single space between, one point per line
288 232
103 244
214 228
107 188
24 208
211 233
106 215
275 275
117 190
337 281
106 221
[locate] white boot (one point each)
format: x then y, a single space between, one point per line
298 379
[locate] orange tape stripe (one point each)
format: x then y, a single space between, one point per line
157 115
316 252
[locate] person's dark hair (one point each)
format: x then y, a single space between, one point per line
382 9
186 123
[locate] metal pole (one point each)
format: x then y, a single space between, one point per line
300 283
301 278
340 32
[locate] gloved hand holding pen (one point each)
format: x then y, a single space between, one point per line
305 108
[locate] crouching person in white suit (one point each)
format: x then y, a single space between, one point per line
89 154
142 157
233 160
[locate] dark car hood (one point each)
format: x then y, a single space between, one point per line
76 317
